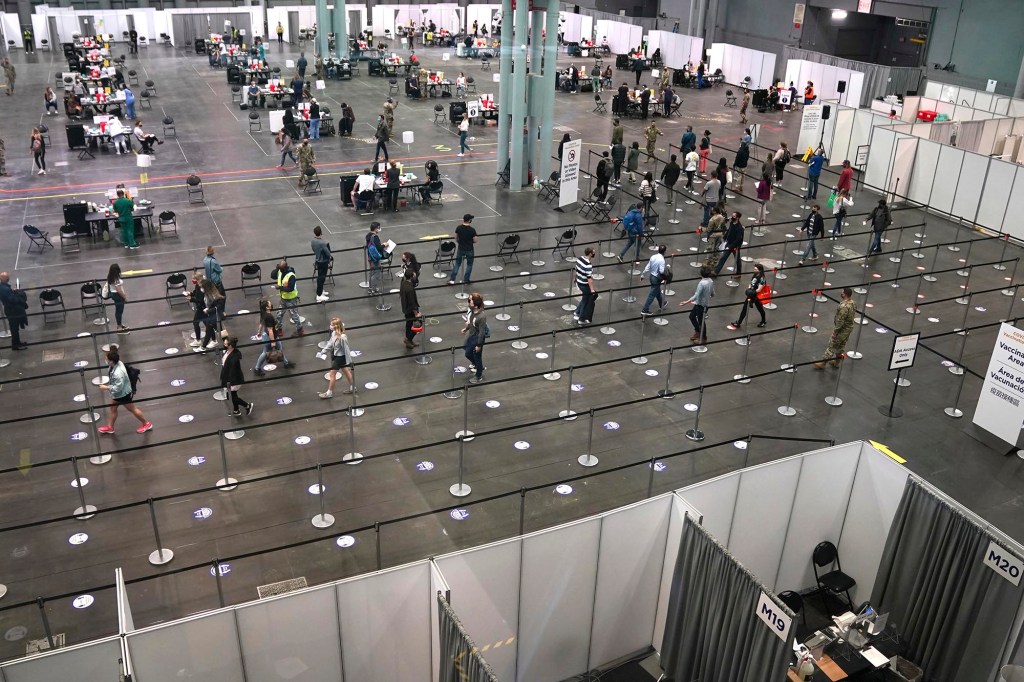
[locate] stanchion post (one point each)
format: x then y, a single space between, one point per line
963 300
788 410
771 287
809 328
667 392
162 555
639 358
629 297
519 344
608 329
965 271
226 483
920 245
789 366
461 489
955 412
834 400
215 568
913 309
453 393
697 262
1011 287
956 239
588 459
935 259
551 374
323 519
100 377
84 511
503 316
694 434
595 273
376 532
567 414
568 306
700 347
742 377
353 456
522 510
1002 255
781 262
46 622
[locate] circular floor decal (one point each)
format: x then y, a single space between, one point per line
549 294
356 353
563 489
541 356
196 460
611 426
81 435
345 541
522 445
83 481
881 330
493 404
690 407
614 343
401 421
513 327
202 513
269 367
315 489
80 398
303 440
185 418
284 400
933 319
83 601
658 466
436 339
177 382
82 363
459 369
16 633
459 514
425 466
224 570
170 351
78 538
651 372
371 385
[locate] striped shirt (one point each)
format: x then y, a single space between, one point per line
583 271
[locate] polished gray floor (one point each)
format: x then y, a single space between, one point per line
255 212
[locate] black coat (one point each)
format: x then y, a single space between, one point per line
670 173
231 372
733 235
742 156
407 295
814 225
15 302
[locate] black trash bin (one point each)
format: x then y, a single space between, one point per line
200 46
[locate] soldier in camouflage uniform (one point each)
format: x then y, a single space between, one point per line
652 133
844 322
714 235
307 157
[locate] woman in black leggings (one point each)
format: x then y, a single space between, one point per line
231 377
752 300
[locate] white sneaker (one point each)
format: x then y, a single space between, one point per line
195 344
211 345
326 394
40 172
460 154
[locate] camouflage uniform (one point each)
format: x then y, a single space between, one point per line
306 159
714 235
652 133
844 321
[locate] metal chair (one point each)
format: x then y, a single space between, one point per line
133 77
392 86
251 272
730 99
236 93
795 603
90 296
69 239
440 116
485 64
169 130
604 211
175 283
470 85
443 258
144 100
195 190
833 581
503 175
255 124
168 222
435 193
51 298
565 245
600 106
151 86
507 250
312 185
37 238
549 189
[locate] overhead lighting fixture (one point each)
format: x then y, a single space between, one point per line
838 14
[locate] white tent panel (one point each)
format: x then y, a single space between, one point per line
993 207
970 185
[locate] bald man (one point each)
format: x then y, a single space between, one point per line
15 304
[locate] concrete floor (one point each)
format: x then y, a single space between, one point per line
407 433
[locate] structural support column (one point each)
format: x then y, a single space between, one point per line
1018 91
323 23
340 29
543 106
517 171
505 85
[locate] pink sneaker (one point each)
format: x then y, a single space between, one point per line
145 427
105 429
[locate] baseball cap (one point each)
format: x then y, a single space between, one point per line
467 218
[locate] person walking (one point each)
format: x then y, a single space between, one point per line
213 314
814 167
709 197
744 103
618 132
842 327
198 302
410 306
11 74
652 132
465 239
382 135
751 298
284 145
37 146
732 243
633 225
739 165
647 192
122 393
341 360
633 161
300 64
618 158
845 180
348 119
880 219
307 157
840 203
321 262
688 142
15 305
714 235
270 332
129 103
464 135
114 290
722 173
814 226
638 69
288 288
231 377
701 301
764 195
213 270
585 283
781 160
705 151
655 272
125 210
667 97
669 178
375 255
476 331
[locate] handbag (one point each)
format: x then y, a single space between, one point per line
831 200
728 176
275 355
417 324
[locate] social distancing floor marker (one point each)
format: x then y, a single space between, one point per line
884 449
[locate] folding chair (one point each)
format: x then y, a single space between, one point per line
439 114
564 246
730 99
133 78
604 211
443 258
176 285
51 298
168 222
38 239
144 101
69 239
470 85
169 130
600 106
236 93
674 110
434 194
255 124
485 64
195 190
251 272
312 185
549 188
392 86
90 295
507 250
503 175
151 87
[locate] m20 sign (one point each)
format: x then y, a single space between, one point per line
1004 563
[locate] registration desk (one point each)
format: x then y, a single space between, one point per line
838 660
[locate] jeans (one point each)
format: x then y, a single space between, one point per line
53 105
118 306
459 255
288 153
586 295
463 147
689 179
409 333
876 242
655 293
321 276
292 306
381 147
314 129
40 160
812 186
267 347
376 273
617 171
697 320
475 357
837 229
708 207
127 233
811 249
725 257
634 239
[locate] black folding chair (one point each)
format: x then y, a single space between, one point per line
443 258
37 237
600 106
564 246
549 189
509 247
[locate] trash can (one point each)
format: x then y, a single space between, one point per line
1011 673
905 671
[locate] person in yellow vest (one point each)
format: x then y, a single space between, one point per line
288 288
280 34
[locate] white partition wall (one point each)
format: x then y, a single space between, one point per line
621 37
716 500
483 14
12 29
676 50
737 63
92 662
203 647
826 80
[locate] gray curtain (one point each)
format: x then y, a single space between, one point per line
460 659
188 27
712 632
879 80
954 612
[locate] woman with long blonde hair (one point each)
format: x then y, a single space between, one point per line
341 359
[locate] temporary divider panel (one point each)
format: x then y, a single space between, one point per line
716 499
992 209
390 606
680 508
970 185
294 637
629 566
483 14
877 489
902 167
676 49
739 62
1016 198
839 149
92 662
621 37
203 647
925 163
883 142
556 601
437 584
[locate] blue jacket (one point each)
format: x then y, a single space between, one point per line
633 221
815 164
689 141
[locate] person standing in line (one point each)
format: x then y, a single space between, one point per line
284 145
841 202
618 158
15 305
288 288
652 132
732 243
814 226
280 35
268 331
375 255
709 196
701 301
296 90
768 166
348 119
744 103
691 160
115 292
410 306
10 74
231 377
464 135
198 302
751 299
814 173
321 262
633 161
307 157
561 145
603 175
465 238
585 283
739 165
781 160
764 195
880 219
393 179
705 152
841 330
688 142
125 210
37 146
409 262
382 135
655 271
667 97
213 271
638 68
722 173
713 236
314 119
475 331
669 177
647 192
845 181
389 113
633 226
213 314
301 63
618 132
121 393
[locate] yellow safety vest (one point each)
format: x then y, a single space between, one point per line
282 280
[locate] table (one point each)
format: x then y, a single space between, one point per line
409 183
842 661
99 221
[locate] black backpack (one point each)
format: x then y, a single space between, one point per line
666 275
133 376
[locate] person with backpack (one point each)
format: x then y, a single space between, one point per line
374 257
603 175
123 383
15 306
739 164
288 289
231 376
585 283
476 331
781 160
113 289
213 314
633 224
814 226
840 203
880 219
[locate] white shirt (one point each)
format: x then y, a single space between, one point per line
115 127
139 133
464 126
363 183
655 266
692 158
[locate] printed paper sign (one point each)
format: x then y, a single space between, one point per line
774 617
569 182
1000 408
903 350
1003 563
